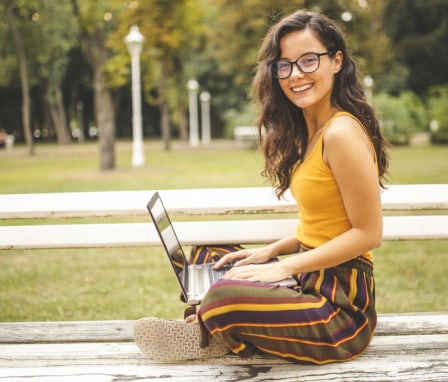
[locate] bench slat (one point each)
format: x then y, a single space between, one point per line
400 368
123 330
36 354
139 234
388 358
198 232
220 201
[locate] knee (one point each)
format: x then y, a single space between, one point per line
220 290
220 299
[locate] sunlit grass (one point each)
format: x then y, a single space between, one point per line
411 276
76 168
80 284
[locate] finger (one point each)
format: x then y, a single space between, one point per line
241 273
246 261
230 257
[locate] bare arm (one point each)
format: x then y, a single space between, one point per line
283 246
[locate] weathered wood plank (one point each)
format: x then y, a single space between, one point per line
141 234
397 369
98 353
397 358
221 201
197 232
412 323
123 330
67 331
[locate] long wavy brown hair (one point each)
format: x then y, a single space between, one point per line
281 124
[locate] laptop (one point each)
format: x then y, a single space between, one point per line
194 279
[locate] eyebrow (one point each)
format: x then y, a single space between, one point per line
303 54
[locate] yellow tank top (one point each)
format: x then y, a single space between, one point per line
321 210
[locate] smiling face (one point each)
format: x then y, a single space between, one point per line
307 90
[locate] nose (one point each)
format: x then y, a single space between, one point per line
296 72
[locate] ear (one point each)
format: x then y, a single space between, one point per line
337 61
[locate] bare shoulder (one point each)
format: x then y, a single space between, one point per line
345 133
345 129
344 126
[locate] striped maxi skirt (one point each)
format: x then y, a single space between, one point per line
329 317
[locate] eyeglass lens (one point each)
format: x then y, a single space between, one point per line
308 63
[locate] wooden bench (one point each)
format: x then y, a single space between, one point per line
406 346
246 136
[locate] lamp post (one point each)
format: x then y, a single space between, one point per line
134 41
193 87
205 117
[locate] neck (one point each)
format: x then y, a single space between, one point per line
315 121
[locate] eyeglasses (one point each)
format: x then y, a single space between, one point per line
308 63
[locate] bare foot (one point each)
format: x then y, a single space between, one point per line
191 314
191 319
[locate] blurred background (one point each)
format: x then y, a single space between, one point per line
65 70
66 94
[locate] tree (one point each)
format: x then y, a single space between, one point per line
56 34
93 17
43 34
419 31
17 13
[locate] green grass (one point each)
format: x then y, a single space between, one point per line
421 164
128 283
87 284
411 276
76 168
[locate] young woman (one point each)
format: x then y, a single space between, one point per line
322 141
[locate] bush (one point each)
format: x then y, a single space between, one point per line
437 101
244 117
401 116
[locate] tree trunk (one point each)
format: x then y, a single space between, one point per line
104 109
183 122
165 123
23 64
164 111
58 116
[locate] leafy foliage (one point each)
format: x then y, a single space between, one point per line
400 116
419 31
438 106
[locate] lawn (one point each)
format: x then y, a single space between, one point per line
96 284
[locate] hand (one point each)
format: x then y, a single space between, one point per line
269 272
246 257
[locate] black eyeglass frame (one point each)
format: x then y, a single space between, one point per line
296 62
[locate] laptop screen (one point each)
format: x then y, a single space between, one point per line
169 239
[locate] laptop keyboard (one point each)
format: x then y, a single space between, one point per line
198 282
216 274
